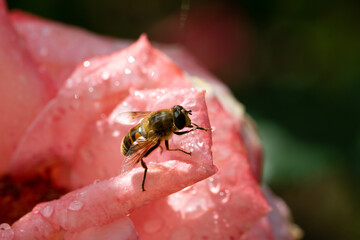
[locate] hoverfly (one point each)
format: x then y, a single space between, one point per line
154 127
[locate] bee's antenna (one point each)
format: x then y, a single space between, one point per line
189 112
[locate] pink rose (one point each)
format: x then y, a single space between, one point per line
62 90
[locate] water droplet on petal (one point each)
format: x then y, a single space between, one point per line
47 211
214 185
131 59
153 225
6 232
91 89
105 76
226 222
86 63
127 71
116 133
5 226
225 195
75 205
190 189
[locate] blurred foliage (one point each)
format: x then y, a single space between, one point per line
297 71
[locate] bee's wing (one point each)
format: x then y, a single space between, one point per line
138 149
130 118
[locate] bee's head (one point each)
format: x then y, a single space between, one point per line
181 117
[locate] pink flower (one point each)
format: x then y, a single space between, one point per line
62 90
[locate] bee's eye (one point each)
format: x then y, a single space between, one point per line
179 119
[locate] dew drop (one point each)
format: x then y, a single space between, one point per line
47 211
139 94
6 232
116 133
153 225
226 222
190 189
105 76
225 196
127 71
131 59
214 185
91 89
75 205
216 216
86 63
117 83
5 226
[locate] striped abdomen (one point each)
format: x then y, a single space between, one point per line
129 139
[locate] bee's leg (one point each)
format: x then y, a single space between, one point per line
185 132
201 128
176 149
161 149
193 129
152 148
143 164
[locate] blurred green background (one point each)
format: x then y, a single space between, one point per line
296 67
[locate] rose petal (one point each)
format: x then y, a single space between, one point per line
98 157
89 95
18 74
119 229
36 226
58 47
221 207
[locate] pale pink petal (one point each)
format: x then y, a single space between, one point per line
59 47
98 157
277 224
108 200
119 229
223 206
91 93
18 74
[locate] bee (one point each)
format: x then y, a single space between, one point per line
154 127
